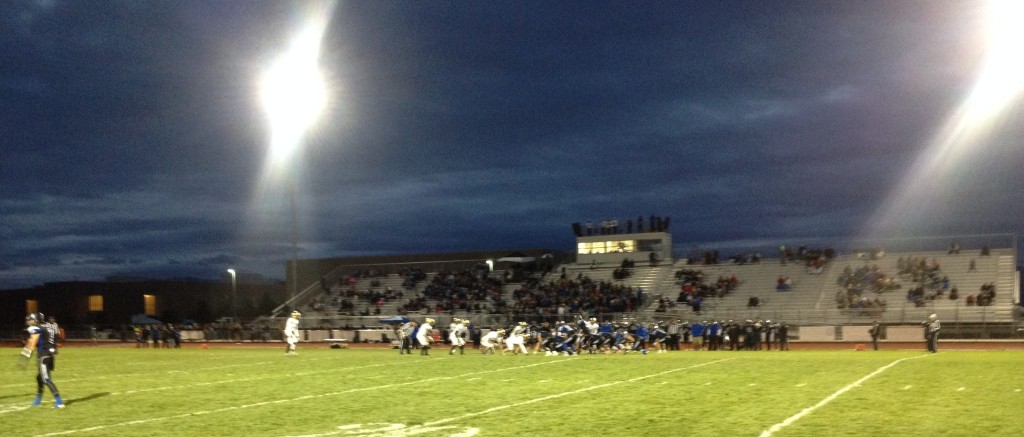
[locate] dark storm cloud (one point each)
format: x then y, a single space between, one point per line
134 140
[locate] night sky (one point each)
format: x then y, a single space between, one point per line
134 141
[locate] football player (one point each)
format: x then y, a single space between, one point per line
291 333
457 336
42 340
490 339
424 335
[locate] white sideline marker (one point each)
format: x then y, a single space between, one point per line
778 426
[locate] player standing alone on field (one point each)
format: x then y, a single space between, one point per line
931 332
875 331
42 340
291 333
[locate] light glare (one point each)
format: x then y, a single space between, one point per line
294 93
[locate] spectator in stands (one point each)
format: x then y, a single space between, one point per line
783 283
986 294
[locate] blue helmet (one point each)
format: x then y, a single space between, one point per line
35 318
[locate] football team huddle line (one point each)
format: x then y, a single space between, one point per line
584 335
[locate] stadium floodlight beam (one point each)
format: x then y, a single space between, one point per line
234 293
294 94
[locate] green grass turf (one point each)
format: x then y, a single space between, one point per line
262 392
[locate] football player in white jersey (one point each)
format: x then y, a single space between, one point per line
457 336
516 342
291 333
424 336
490 339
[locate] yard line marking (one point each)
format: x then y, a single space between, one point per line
961 389
300 398
143 374
567 393
907 387
778 426
254 378
801 384
1017 390
13 408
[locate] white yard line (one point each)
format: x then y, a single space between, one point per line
255 378
300 398
778 426
567 393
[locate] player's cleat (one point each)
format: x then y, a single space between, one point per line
37 401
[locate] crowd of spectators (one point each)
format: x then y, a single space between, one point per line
465 290
986 294
855 286
695 288
555 299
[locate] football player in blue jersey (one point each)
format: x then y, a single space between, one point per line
658 336
641 336
42 340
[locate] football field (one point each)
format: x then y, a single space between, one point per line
115 391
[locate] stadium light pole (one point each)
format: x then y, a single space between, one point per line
294 94
234 294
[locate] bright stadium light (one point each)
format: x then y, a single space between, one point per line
999 84
294 94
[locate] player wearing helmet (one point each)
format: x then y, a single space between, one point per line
457 336
516 342
490 339
42 340
291 333
423 335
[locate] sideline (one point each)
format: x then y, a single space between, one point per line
778 426
300 398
